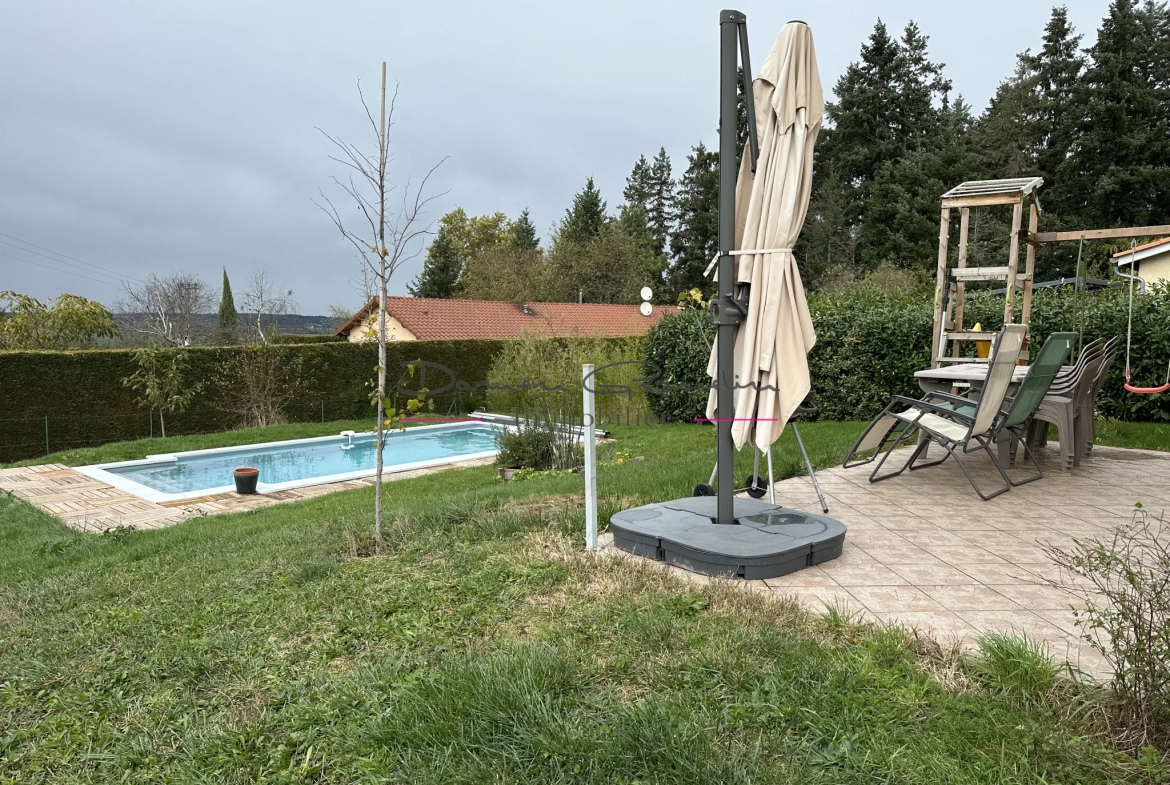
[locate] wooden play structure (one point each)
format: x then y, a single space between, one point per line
950 293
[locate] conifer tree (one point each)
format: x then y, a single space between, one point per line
660 207
583 221
1119 172
651 184
638 186
696 236
229 318
523 233
1055 71
441 269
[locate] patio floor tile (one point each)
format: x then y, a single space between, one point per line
895 599
971 597
931 573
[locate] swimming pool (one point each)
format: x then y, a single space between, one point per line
296 463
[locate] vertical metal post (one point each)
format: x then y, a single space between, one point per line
322 411
46 434
589 423
150 416
729 22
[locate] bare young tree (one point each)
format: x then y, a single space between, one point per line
385 237
164 307
263 299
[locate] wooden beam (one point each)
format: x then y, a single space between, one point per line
980 201
944 231
981 274
1013 262
1101 234
961 287
1030 266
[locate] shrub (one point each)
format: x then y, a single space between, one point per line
260 382
539 445
535 376
1127 619
675 354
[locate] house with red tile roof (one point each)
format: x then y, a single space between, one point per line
427 319
1150 261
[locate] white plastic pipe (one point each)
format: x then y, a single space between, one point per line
589 423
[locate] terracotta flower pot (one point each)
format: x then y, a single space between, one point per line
246 479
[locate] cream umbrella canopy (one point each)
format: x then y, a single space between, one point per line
774 339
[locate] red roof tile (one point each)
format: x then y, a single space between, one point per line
1140 248
450 320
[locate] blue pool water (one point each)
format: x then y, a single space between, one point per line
284 463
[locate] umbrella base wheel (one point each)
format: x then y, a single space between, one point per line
756 486
703 489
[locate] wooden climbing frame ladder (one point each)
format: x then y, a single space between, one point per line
950 293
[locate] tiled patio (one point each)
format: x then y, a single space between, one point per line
923 550
91 505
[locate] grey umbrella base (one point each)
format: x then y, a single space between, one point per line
766 541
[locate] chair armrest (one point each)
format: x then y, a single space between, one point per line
959 399
933 408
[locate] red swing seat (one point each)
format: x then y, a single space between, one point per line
1147 390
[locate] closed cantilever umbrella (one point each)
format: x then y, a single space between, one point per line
774 339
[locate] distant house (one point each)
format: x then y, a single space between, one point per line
426 319
1150 261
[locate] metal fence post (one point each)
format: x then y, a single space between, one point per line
590 434
150 414
46 434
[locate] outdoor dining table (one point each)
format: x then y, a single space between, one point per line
942 379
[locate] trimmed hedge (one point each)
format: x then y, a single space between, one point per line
869 345
1103 315
82 394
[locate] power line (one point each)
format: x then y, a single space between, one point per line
54 269
96 268
59 261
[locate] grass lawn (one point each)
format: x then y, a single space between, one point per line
1138 435
482 646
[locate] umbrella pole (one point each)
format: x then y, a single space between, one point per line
725 312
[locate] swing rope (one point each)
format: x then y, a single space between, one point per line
1129 334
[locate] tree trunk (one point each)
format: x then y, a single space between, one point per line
162 423
381 441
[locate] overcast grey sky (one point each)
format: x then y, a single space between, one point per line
148 136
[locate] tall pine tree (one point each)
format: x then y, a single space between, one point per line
651 185
523 233
1119 172
637 189
583 221
696 236
1055 70
660 207
864 117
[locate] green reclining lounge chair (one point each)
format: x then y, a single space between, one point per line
954 422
